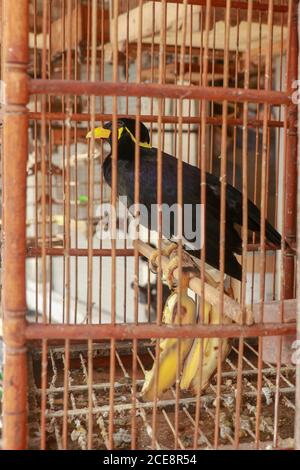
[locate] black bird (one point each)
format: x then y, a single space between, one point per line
191 194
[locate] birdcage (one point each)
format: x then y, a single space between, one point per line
213 81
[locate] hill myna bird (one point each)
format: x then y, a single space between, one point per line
191 178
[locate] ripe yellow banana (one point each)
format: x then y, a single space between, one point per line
168 356
203 353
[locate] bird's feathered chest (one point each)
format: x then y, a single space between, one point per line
148 178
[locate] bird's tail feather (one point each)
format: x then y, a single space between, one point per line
272 235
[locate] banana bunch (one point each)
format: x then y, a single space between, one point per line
168 354
194 354
202 360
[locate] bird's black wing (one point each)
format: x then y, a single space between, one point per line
191 197
148 178
234 209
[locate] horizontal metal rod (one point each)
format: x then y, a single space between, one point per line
216 121
146 330
156 90
240 5
57 251
60 251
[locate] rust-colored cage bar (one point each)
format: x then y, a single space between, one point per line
15 143
65 87
43 88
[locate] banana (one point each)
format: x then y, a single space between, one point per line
192 361
203 352
168 356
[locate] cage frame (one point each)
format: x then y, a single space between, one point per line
17 332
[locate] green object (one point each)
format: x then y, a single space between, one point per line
83 198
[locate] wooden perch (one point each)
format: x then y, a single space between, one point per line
232 309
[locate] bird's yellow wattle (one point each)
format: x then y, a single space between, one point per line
141 144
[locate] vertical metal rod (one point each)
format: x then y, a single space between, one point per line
50 148
151 136
136 202
35 133
15 143
180 214
211 160
113 203
90 224
291 157
101 161
263 210
126 72
203 202
44 234
257 134
223 179
190 59
279 342
236 84
245 225
297 395
163 11
67 225
63 138
174 150
76 75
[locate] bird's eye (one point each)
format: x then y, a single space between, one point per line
120 132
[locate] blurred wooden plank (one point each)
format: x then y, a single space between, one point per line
79 19
170 76
59 135
191 72
216 38
60 25
152 13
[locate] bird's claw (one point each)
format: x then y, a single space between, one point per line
171 281
168 250
165 251
153 261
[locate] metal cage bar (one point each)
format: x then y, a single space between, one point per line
42 88
15 149
160 90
